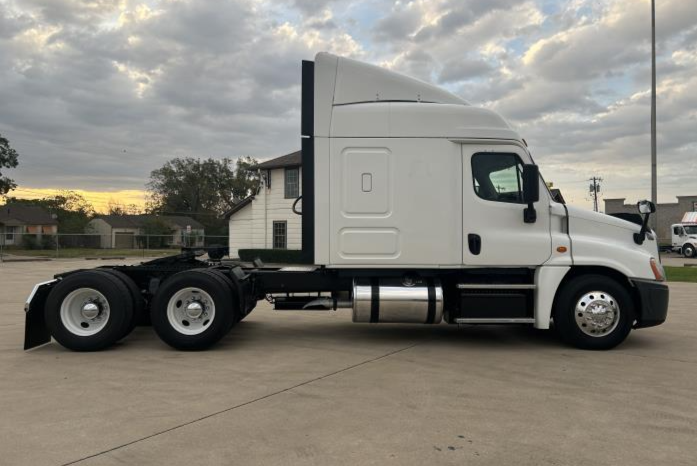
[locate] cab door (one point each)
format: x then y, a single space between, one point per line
494 232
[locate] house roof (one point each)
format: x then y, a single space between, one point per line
20 214
294 159
239 206
138 221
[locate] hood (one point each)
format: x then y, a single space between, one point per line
597 217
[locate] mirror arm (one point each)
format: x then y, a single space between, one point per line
641 236
530 214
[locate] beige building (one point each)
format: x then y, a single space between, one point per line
130 231
266 220
666 214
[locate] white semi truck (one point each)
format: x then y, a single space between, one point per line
416 208
684 235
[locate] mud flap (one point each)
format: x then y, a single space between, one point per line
35 331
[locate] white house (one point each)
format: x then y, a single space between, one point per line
265 220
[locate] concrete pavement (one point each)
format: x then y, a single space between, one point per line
314 388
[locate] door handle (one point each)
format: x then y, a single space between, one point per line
475 243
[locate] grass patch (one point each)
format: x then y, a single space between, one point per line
73 253
681 274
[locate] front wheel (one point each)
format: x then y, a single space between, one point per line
689 251
193 310
593 312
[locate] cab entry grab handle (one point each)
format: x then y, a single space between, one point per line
295 204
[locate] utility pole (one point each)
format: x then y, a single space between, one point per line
594 189
654 175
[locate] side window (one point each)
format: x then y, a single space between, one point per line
280 235
498 177
292 183
677 230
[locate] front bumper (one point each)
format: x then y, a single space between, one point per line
653 300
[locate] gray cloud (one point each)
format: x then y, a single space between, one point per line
462 69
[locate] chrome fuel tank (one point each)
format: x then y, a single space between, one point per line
398 300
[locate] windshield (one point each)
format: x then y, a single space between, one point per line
691 229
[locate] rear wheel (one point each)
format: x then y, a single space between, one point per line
688 251
593 312
86 311
136 298
193 310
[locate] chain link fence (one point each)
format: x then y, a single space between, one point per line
67 245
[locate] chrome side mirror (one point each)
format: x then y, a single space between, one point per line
646 207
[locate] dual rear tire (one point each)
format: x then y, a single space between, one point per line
195 309
91 310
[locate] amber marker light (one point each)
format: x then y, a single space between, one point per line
657 270
561 249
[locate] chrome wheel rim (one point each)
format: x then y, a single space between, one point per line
84 312
190 311
597 313
689 252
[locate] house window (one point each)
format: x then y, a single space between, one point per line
280 235
10 234
292 183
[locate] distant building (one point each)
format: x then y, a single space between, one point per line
18 219
666 214
266 220
128 231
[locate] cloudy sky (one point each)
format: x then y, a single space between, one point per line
94 94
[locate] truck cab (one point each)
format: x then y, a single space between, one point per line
417 207
684 239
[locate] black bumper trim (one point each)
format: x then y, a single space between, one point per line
653 300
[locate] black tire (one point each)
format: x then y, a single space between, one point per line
689 251
220 294
565 312
120 311
235 307
136 298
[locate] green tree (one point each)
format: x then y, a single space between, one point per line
204 189
117 208
8 159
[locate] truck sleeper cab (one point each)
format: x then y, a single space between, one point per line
416 208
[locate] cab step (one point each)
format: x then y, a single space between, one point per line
502 320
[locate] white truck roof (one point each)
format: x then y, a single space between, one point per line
355 99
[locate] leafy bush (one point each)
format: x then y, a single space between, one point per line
272 256
48 242
29 242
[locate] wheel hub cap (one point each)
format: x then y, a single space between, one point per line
194 310
89 310
597 313
190 311
85 312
